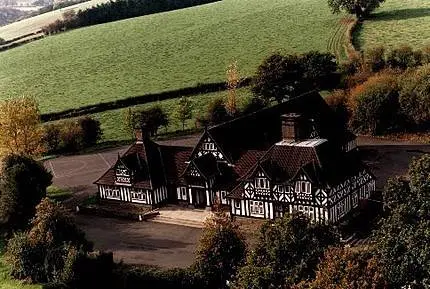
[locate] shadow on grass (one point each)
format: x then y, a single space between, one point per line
400 14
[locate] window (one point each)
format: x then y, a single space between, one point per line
303 187
209 146
257 208
122 172
112 193
140 196
262 183
184 193
237 204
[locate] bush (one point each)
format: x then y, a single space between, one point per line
71 136
22 185
51 137
217 113
375 58
338 102
375 105
91 131
50 250
404 57
415 96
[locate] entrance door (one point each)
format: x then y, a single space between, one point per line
199 197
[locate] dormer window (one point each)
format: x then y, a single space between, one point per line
209 146
303 187
262 183
122 172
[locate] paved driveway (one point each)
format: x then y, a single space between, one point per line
142 242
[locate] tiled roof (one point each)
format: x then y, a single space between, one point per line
174 159
261 129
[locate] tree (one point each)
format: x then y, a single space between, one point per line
20 128
150 119
361 8
347 268
415 97
233 80
221 249
319 69
184 110
402 241
287 251
22 185
254 104
279 78
48 251
283 77
217 113
91 131
375 105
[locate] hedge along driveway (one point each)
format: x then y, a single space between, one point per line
161 52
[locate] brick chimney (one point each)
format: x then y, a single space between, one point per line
293 127
139 135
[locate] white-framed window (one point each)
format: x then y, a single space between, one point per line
262 183
140 196
122 172
257 207
303 187
112 193
237 204
183 193
209 146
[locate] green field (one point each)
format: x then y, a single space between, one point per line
397 22
164 51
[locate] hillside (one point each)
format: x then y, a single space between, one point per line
34 24
164 51
397 22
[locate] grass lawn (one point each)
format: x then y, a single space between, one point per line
164 51
397 22
57 194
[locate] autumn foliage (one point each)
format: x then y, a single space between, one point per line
20 128
347 268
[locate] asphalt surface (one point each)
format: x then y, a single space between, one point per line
149 243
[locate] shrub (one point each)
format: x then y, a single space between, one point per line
415 96
375 58
404 57
426 54
50 250
338 102
22 185
221 250
375 105
91 131
217 113
51 137
254 104
71 136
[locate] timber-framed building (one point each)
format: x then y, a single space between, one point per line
293 156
